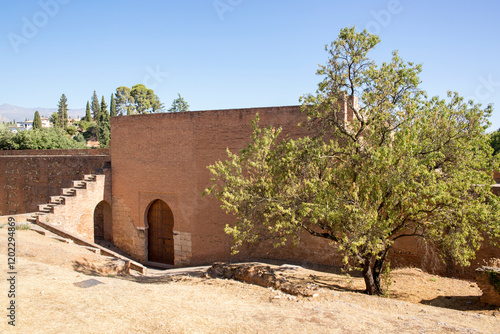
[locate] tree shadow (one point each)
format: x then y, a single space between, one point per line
461 303
345 280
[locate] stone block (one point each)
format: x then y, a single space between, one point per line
488 280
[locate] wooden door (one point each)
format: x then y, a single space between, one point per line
160 233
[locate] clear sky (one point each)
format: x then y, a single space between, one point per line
222 54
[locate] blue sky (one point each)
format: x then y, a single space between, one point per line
222 54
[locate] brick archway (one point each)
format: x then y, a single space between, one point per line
102 221
160 222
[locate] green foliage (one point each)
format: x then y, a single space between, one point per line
140 94
80 138
88 116
405 166
95 107
145 99
71 130
41 139
23 226
54 118
125 103
37 122
103 125
494 278
83 125
112 108
5 137
495 141
90 130
179 105
386 279
62 112
139 100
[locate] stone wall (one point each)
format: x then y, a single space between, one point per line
488 280
29 177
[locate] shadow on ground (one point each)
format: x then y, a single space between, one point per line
461 303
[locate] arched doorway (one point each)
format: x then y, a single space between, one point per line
160 233
102 221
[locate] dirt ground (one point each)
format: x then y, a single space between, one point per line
56 292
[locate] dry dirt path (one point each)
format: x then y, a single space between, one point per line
54 298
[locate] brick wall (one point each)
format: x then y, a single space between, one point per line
29 177
164 156
77 214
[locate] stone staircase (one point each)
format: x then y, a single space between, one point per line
67 237
69 200
67 195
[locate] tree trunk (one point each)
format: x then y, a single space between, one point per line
371 274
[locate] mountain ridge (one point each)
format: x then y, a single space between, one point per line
9 112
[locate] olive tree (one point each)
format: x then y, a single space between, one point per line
397 165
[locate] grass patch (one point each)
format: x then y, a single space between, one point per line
23 226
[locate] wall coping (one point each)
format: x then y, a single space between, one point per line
200 113
72 152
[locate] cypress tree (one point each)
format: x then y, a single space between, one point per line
88 117
37 122
112 107
103 125
96 108
62 112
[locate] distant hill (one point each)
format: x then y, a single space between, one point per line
9 112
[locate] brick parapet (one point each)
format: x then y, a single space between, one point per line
74 152
28 178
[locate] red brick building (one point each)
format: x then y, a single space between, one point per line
148 198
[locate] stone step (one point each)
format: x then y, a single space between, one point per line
46 208
33 218
79 241
61 239
40 230
57 200
158 265
89 177
92 249
79 184
69 192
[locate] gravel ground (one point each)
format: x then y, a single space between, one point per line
52 297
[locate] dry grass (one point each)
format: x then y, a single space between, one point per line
49 301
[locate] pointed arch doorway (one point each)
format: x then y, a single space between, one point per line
160 233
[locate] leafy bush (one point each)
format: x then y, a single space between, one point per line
40 139
91 131
79 138
71 130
